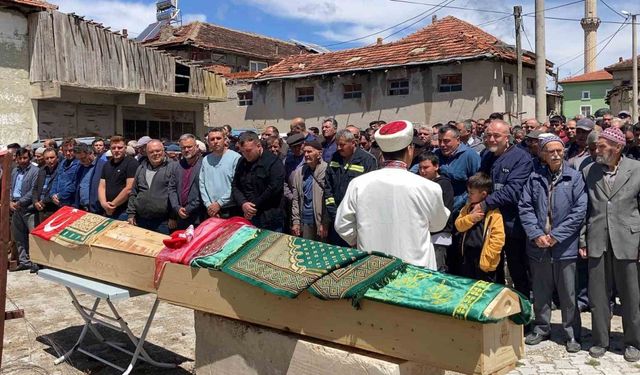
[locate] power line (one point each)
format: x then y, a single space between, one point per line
613 10
408 26
524 31
530 14
582 53
493 21
387 29
605 46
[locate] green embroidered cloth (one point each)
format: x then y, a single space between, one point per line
287 265
445 294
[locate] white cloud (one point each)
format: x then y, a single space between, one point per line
340 20
118 14
191 17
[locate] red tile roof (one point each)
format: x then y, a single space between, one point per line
39 4
622 65
217 38
599 75
448 39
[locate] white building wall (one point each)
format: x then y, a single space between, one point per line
17 110
274 103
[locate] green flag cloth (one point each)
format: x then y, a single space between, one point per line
445 294
287 265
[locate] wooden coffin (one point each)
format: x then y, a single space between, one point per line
123 255
413 335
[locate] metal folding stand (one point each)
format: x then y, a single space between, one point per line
108 292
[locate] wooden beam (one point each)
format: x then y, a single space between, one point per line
5 236
14 314
437 340
45 90
132 99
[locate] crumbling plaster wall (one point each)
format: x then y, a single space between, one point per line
275 103
17 110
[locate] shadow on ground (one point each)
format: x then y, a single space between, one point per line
616 341
61 341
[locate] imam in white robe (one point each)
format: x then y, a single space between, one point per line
393 211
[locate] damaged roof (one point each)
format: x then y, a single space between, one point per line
448 39
212 37
622 65
37 4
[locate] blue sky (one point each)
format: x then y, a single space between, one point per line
328 22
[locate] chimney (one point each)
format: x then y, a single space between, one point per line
125 33
434 18
619 59
378 41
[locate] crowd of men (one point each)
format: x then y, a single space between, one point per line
557 202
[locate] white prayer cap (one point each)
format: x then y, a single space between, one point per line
394 136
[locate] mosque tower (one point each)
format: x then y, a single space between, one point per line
590 24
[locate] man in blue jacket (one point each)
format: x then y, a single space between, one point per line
552 209
63 191
509 167
458 162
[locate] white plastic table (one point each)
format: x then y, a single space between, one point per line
108 292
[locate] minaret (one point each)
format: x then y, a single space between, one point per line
590 24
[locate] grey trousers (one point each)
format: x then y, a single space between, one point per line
310 232
547 276
605 272
21 225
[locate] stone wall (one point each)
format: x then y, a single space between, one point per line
17 110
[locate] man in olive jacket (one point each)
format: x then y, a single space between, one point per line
611 240
309 216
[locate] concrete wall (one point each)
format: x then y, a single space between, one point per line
274 103
621 100
17 111
94 113
573 96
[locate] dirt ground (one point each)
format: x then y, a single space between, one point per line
52 325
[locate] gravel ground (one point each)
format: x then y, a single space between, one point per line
51 326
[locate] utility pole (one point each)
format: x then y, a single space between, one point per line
517 15
541 65
634 58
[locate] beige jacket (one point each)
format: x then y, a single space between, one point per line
296 182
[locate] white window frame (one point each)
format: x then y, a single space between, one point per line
305 98
352 91
398 87
244 101
507 81
449 87
588 96
584 107
254 66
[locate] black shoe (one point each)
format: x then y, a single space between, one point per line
34 268
573 346
631 354
597 351
535 338
21 267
